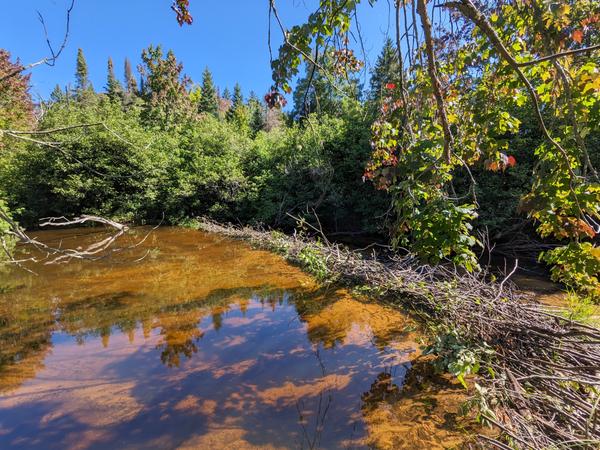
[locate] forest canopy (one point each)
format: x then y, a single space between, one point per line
479 127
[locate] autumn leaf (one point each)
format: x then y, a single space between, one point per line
578 36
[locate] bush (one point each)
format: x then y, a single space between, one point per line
577 266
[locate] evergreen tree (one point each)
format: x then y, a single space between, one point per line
208 100
386 70
113 86
81 73
226 94
57 94
257 114
237 101
238 97
315 93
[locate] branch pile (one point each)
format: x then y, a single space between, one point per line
544 380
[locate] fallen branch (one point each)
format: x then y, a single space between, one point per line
49 254
544 376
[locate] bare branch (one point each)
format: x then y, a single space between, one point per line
54 54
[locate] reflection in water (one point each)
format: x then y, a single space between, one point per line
207 344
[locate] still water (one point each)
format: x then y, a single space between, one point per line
194 341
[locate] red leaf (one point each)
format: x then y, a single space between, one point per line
578 36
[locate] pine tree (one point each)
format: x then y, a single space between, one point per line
57 94
208 101
113 86
386 70
257 114
81 73
237 101
226 94
315 93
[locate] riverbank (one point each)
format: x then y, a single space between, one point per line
538 372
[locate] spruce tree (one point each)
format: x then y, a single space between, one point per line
208 103
315 93
238 98
113 86
57 94
237 101
226 94
257 114
81 73
386 70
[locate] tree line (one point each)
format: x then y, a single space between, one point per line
364 159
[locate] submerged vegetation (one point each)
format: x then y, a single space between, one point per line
478 136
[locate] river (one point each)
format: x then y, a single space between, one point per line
191 340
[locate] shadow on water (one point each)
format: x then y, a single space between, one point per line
206 343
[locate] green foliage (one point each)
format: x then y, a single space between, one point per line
315 166
318 92
208 103
314 262
386 70
16 107
237 101
257 115
457 357
166 101
82 81
8 242
113 87
581 309
439 229
142 162
577 266
131 87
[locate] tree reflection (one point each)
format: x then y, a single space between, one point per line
381 390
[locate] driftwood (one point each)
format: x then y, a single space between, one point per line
543 382
49 254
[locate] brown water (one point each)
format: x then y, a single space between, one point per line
205 343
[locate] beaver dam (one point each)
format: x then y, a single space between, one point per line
192 340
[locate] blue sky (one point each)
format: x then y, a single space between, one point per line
228 36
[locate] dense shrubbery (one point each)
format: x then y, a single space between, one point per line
169 150
218 161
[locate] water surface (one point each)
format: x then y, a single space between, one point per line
206 343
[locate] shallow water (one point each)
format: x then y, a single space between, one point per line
206 343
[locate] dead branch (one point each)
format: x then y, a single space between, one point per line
54 54
49 254
545 376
